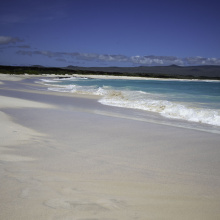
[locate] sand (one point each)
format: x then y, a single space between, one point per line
69 157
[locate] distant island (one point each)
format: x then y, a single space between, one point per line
173 71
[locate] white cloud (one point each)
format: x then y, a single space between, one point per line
156 60
49 54
202 61
7 40
134 60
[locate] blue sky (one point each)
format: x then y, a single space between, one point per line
109 32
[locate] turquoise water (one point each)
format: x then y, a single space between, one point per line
195 101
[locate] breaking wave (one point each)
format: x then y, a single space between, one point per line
145 101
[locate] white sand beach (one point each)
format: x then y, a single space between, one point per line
67 157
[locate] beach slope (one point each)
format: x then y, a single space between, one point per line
69 157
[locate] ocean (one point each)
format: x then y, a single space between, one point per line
192 101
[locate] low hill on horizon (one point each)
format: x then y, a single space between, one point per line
173 71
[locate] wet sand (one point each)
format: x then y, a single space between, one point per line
69 157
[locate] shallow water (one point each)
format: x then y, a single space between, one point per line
187 100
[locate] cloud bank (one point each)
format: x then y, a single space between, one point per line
132 60
4 40
202 61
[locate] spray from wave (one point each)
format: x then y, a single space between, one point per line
144 101
165 108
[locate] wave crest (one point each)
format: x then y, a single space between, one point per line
165 108
145 101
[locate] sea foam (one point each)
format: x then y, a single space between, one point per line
145 101
152 102
165 108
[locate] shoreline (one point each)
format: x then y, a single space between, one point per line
26 76
173 71
140 78
61 159
141 115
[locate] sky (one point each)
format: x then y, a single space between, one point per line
104 33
